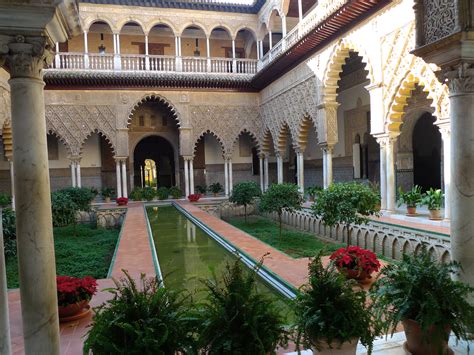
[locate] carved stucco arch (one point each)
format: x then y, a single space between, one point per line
334 68
396 112
61 139
149 26
303 132
89 21
125 21
266 141
7 140
268 17
211 133
282 139
155 98
194 23
224 27
99 132
245 27
251 134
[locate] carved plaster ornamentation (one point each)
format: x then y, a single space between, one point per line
460 78
439 19
73 124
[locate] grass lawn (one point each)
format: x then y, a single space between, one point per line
294 243
88 253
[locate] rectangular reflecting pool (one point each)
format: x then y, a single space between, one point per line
186 255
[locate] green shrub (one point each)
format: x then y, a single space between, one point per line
244 193
148 193
107 192
63 209
81 196
140 319
201 189
5 200
236 318
175 192
162 193
215 188
433 199
137 194
9 231
411 198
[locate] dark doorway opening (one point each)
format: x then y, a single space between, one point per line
427 153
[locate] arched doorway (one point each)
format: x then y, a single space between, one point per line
161 172
426 153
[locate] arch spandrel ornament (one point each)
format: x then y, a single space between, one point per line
153 97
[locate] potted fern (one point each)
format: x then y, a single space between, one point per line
433 200
411 198
215 188
421 293
330 312
107 193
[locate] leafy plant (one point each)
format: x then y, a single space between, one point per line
9 231
81 196
312 191
236 318
346 203
411 198
281 197
423 290
201 189
162 193
215 188
94 191
148 193
107 192
5 200
244 193
136 194
140 319
74 289
63 209
329 309
353 258
175 192
433 199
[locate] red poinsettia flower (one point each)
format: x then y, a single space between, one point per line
357 259
73 289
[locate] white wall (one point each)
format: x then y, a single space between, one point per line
91 152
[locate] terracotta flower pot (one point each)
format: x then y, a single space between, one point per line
71 309
336 348
435 215
411 211
107 200
358 275
415 344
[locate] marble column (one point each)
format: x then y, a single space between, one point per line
300 157
186 177
12 179
147 58
327 165
226 177
78 172
119 179
5 344
191 176
267 173
300 11
231 180
279 168
382 141
390 174
25 58
262 173
461 97
445 130
73 173
124 178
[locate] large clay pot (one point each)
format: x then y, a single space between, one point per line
435 215
358 275
107 200
411 211
415 344
71 309
336 348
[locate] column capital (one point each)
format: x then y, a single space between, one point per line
386 139
75 159
444 129
460 78
25 56
327 148
120 159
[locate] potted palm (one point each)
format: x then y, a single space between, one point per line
330 312
421 293
433 200
411 198
107 193
215 188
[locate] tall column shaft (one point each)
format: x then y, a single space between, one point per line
78 172
73 174
301 171
327 166
191 176
124 178
280 169
226 177
383 173
270 39
231 182
266 173
262 173
186 178
119 179
462 178
34 228
12 179
5 344
446 135
390 175
300 11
